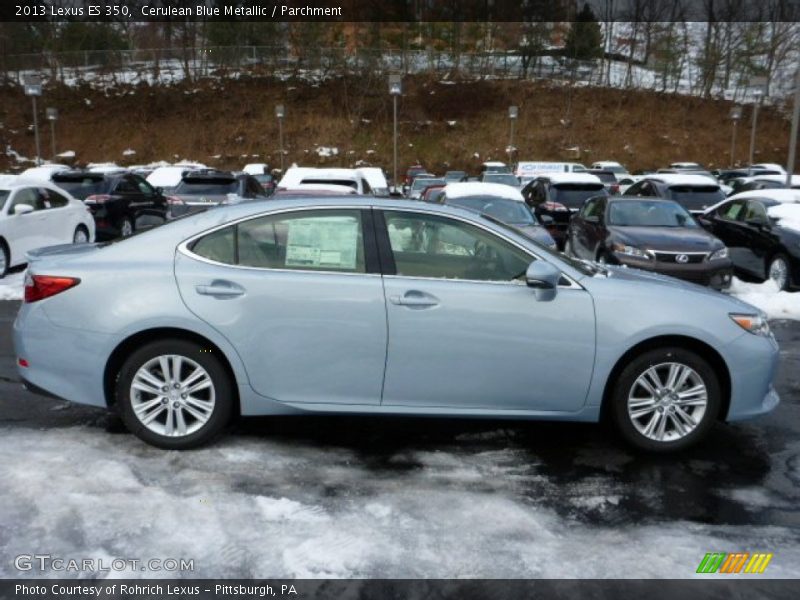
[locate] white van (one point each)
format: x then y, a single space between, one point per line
527 170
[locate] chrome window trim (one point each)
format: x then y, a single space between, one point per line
184 249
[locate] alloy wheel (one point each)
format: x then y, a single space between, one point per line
126 230
667 401
779 272
80 236
172 395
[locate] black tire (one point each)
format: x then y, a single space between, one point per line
624 423
80 229
126 227
5 258
603 257
781 257
222 387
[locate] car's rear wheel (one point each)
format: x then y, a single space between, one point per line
5 259
666 399
174 394
81 235
778 271
126 227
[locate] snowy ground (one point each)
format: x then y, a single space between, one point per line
12 285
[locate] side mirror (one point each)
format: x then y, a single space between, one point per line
23 209
543 278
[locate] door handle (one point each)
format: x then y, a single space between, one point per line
415 299
220 289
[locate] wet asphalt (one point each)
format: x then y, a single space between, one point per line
743 474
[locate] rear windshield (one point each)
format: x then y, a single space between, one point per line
505 178
201 187
420 184
263 178
696 197
84 187
347 182
606 177
573 195
496 169
513 212
649 213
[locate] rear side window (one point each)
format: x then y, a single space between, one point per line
323 240
573 195
52 199
696 197
83 187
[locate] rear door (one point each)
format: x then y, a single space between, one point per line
466 333
727 223
26 230
56 217
299 295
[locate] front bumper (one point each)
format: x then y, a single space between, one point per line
752 361
716 274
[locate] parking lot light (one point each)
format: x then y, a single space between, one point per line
395 89
33 88
52 116
759 84
793 139
735 116
513 113
280 112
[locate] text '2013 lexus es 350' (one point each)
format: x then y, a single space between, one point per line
348 305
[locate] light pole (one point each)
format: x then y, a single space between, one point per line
33 88
513 113
52 116
735 115
395 89
280 112
759 83
795 122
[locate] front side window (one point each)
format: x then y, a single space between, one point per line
756 212
321 240
438 247
731 211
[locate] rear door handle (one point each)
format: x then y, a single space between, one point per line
220 289
415 299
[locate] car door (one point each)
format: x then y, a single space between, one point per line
578 229
24 230
299 297
466 333
759 239
727 223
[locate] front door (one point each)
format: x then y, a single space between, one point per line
465 331
293 294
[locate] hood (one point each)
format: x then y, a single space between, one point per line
537 234
674 239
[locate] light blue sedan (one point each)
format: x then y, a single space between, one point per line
352 305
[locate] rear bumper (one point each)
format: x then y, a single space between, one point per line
717 274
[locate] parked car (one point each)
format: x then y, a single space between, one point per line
687 166
502 178
500 202
455 176
608 178
121 203
314 189
650 234
205 188
420 183
295 176
385 307
558 196
748 184
35 214
494 166
764 242
376 179
167 178
527 170
694 192
610 165
412 172
626 181
433 193
725 176
262 174
42 172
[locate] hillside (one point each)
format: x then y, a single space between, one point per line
228 122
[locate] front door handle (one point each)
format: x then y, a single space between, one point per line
415 299
220 289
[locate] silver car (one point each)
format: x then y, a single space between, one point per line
352 305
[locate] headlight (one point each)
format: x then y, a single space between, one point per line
630 251
719 254
755 324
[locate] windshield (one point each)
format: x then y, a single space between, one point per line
496 169
649 213
696 197
504 178
206 188
506 210
263 178
85 187
573 195
420 184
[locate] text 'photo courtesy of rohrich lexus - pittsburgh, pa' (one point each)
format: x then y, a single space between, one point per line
354 305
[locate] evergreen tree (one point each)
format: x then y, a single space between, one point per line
584 39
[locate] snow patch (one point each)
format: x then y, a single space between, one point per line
66 154
777 304
326 151
128 152
12 286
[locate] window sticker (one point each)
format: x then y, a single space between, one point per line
323 242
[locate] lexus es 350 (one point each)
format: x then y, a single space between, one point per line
348 305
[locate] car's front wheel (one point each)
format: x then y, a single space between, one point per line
778 271
666 399
81 235
174 394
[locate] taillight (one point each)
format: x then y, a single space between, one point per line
554 206
98 198
39 287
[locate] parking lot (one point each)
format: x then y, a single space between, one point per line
372 497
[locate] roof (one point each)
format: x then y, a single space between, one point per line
778 178
256 168
166 176
607 163
494 163
479 188
42 172
580 177
374 176
330 188
685 165
295 175
770 166
689 179
782 195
